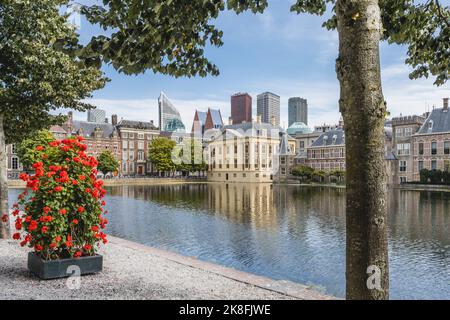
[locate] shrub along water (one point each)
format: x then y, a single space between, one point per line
434 177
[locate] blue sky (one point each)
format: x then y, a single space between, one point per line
278 51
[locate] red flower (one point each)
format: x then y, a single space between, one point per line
5 218
58 189
63 211
82 177
80 138
53 245
81 209
58 239
38 248
24 177
94 228
39 148
16 236
74 182
47 210
54 143
75 221
33 225
68 244
87 190
87 247
44 229
77 254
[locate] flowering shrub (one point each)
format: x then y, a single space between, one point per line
63 215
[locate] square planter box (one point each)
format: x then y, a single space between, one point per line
56 269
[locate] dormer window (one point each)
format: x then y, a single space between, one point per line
334 139
430 125
325 139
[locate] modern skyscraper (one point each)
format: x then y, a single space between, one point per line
96 115
298 110
241 108
169 117
268 107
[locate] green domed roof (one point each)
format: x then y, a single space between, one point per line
298 128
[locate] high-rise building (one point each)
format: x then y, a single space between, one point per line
268 107
169 117
96 116
298 110
241 108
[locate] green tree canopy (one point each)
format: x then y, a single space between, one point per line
160 154
42 67
303 172
107 162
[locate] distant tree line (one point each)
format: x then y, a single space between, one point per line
308 174
434 177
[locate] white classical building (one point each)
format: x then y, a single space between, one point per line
246 152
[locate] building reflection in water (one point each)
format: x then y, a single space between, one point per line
287 232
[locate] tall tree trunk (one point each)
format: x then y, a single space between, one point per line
4 209
364 110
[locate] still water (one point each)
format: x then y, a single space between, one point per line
287 232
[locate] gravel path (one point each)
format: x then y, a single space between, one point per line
132 271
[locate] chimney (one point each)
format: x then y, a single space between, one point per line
114 119
445 103
258 119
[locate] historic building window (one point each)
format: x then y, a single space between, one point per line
433 165
141 145
14 148
421 148
447 147
402 166
408 132
141 155
141 136
15 163
399 132
402 179
403 149
420 166
124 135
434 147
